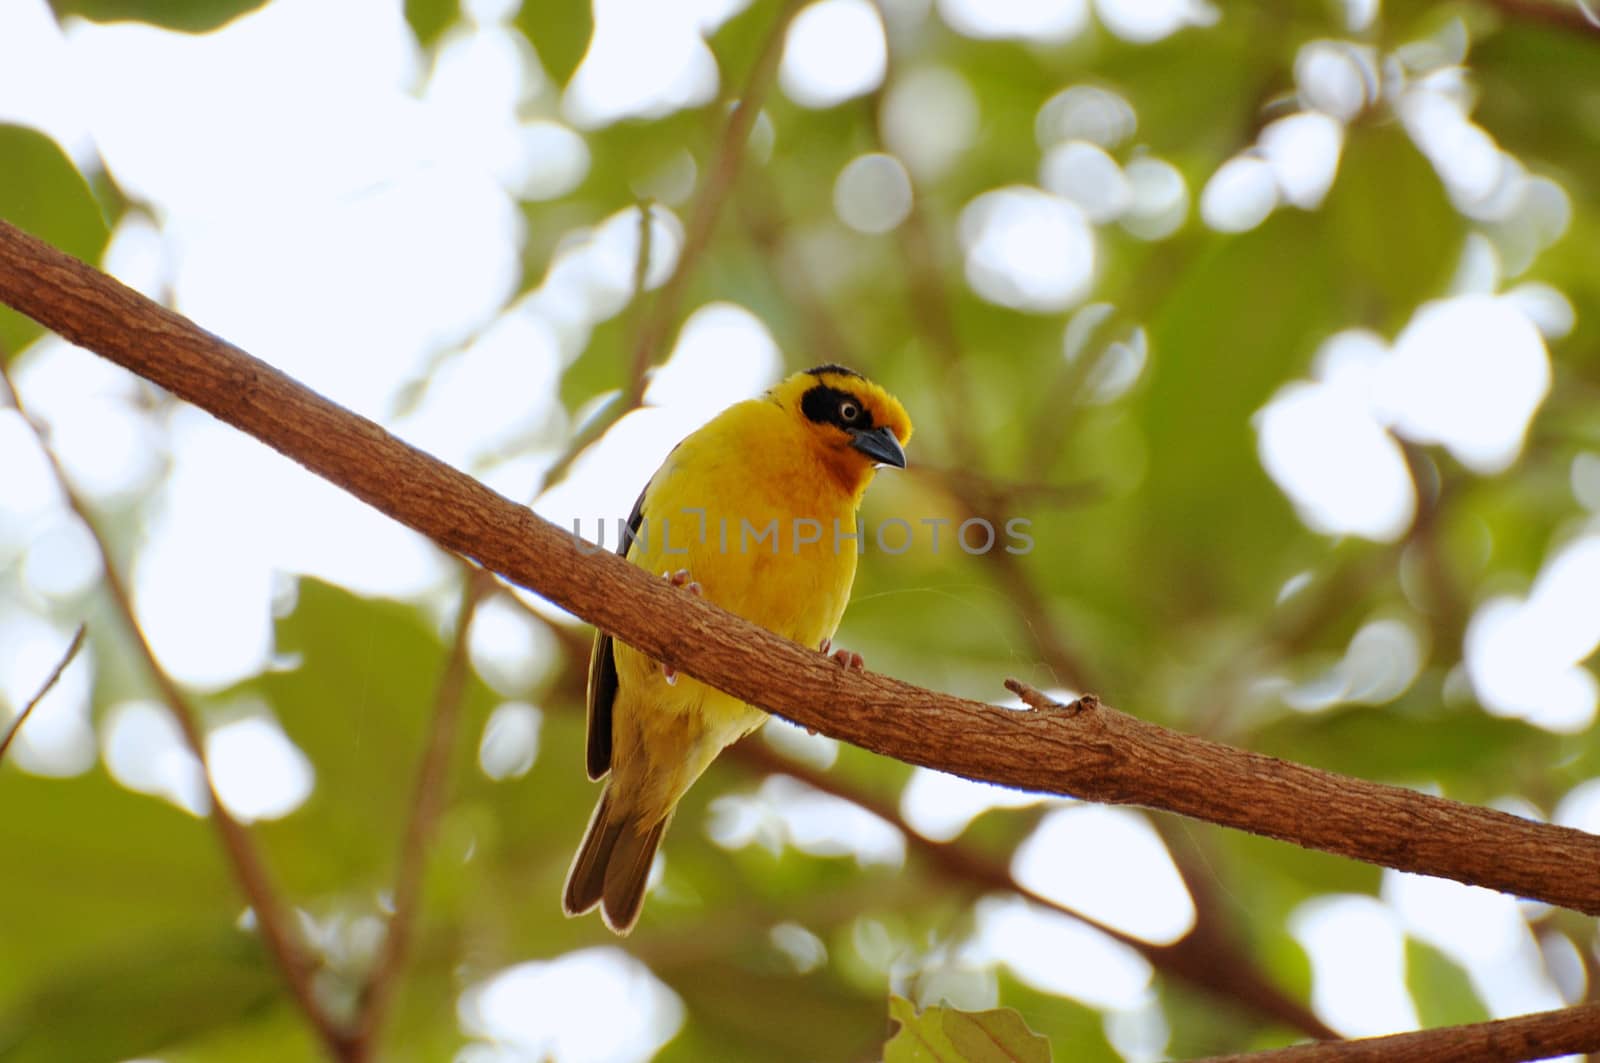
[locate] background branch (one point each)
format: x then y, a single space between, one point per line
1562 14
709 200
49 684
427 803
1539 1036
1212 966
1087 750
278 930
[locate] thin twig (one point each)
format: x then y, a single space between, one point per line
427 802
654 323
1580 15
1446 607
709 201
278 930
49 684
631 397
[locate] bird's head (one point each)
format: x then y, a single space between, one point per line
852 424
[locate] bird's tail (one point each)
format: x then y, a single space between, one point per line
613 864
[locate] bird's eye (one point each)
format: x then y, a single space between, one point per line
848 410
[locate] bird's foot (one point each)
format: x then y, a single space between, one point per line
847 658
680 578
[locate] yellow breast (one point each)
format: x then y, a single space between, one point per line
748 511
757 523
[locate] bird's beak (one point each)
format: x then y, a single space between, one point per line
880 444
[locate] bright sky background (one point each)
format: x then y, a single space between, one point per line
356 225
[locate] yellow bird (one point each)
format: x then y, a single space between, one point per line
757 512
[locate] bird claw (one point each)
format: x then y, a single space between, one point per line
680 578
845 658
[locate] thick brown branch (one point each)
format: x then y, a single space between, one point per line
1549 1033
49 684
1091 752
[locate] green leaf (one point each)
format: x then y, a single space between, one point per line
118 916
191 16
920 1039
1401 255
995 1036
358 706
271 1034
430 18
1471 754
91 869
947 1035
42 193
1232 330
560 31
1075 1031
732 1001
140 1000
737 42
1441 990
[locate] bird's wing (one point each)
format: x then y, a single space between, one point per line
603 671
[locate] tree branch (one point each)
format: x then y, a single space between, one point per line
49 684
1539 1036
1578 15
1086 750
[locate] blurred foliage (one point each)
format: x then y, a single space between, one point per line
430 18
190 16
1441 989
560 31
120 926
43 193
